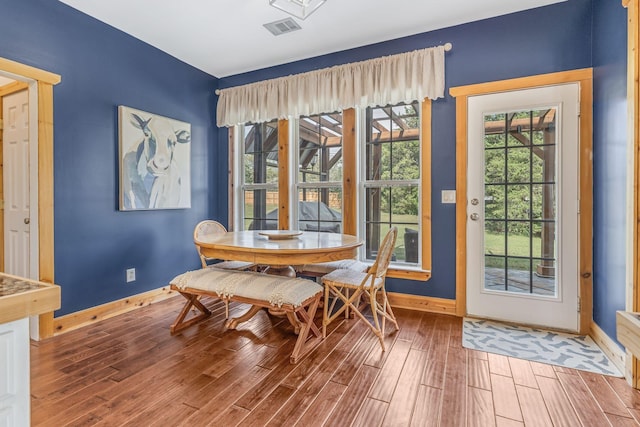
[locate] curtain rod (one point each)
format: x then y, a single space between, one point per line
447 47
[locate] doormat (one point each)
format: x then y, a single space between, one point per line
555 348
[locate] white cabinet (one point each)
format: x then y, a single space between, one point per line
14 373
19 299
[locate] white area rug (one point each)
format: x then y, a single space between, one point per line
555 348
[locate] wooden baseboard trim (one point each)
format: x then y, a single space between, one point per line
92 315
422 303
610 348
72 321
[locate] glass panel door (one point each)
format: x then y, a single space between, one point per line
522 211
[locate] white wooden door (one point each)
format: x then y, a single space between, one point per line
522 207
16 155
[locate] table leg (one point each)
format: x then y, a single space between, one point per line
281 270
233 323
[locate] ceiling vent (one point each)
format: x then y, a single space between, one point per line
282 26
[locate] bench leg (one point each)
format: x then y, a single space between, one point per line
192 301
303 346
293 319
233 323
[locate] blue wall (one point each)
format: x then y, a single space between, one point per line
548 39
102 68
609 161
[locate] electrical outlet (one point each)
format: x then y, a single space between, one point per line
131 275
448 196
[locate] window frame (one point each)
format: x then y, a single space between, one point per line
421 271
352 182
298 185
238 186
383 184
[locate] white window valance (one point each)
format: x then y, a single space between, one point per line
406 77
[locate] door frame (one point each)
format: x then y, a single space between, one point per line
43 82
584 78
633 214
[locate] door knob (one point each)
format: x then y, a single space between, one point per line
474 216
27 220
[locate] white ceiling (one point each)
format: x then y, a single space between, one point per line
226 37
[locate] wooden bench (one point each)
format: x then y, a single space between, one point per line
298 298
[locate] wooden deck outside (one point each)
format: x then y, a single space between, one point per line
129 370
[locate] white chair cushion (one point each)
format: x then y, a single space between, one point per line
328 267
276 290
350 278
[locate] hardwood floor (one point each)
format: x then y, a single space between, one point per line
130 371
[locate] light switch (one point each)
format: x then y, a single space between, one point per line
448 196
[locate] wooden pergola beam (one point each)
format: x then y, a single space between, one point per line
522 124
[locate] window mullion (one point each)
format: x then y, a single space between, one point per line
284 178
349 173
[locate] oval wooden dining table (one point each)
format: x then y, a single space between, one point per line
280 250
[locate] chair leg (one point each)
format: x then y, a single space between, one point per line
388 312
346 309
383 311
393 316
329 315
374 311
325 311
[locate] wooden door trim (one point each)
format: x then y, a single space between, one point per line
584 78
633 110
45 81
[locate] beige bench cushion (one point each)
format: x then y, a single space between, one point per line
276 290
328 267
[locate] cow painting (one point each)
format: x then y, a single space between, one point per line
154 161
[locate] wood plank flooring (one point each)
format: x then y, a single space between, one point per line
129 371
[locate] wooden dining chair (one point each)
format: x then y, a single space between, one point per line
206 229
348 286
322 268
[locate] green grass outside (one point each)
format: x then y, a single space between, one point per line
494 244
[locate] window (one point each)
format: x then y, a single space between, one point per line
392 180
259 182
320 164
356 172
